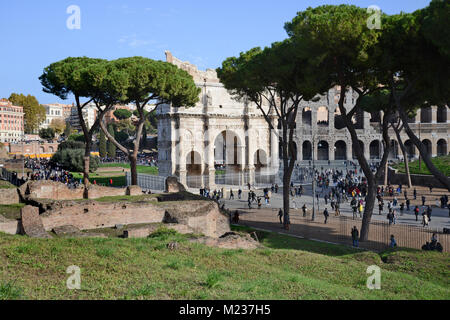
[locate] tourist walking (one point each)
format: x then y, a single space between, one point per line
355 236
326 215
416 212
280 215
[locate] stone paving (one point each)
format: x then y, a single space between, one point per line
440 218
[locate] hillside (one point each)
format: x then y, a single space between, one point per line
288 268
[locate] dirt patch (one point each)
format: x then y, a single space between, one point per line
230 240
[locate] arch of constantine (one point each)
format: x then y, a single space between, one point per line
218 133
221 134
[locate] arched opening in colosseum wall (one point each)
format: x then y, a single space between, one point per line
442 148
442 114
340 150
428 145
426 115
323 151
307 150
410 149
322 116
375 150
338 120
394 150
307 116
375 117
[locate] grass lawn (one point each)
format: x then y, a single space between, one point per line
119 179
287 268
141 169
442 163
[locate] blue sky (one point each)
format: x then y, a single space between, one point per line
34 33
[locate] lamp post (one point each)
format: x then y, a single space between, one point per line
314 179
420 158
23 156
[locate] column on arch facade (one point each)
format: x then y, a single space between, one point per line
434 111
349 149
209 170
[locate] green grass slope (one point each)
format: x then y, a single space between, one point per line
287 268
441 163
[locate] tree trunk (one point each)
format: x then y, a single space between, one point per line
133 165
423 151
372 182
405 156
87 157
286 174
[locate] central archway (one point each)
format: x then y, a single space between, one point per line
228 152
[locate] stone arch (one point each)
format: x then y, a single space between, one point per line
322 116
307 150
194 169
307 116
442 147
41 149
393 152
340 150
338 120
410 149
228 150
426 115
51 150
427 143
323 150
442 114
375 117
375 150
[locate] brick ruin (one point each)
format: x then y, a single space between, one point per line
54 207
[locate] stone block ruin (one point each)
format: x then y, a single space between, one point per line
54 210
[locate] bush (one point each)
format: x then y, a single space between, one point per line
76 137
73 160
47 134
71 144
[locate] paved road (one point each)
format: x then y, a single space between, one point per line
440 217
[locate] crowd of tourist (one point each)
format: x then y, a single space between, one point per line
43 169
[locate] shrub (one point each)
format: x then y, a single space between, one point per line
73 160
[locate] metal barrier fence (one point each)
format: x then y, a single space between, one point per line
338 230
232 179
10 177
149 182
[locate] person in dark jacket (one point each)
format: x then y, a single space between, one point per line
326 215
355 236
280 215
